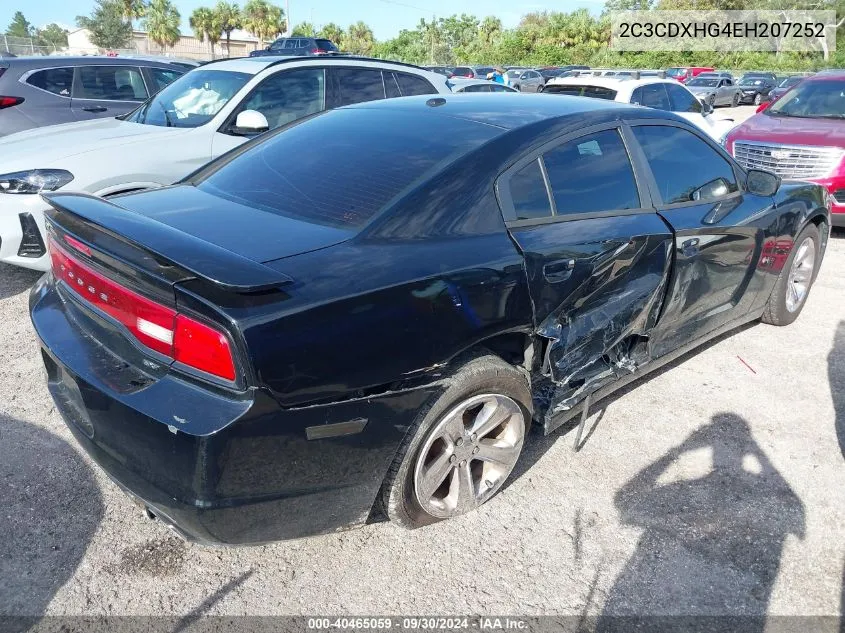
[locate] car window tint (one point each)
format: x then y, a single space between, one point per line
277 45
325 45
112 83
288 96
529 194
592 173
290 44
359 84
596 92
652 96
391 88
56 80
682 100
162 78
475 88
462 71
498 88
684 166
414 85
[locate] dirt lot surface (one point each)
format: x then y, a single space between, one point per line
716 486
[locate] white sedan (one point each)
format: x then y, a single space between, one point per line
648 91
200 116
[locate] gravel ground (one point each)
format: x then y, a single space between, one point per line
717 486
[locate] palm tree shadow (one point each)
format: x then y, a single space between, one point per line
51 507
836 377
711 543
14 280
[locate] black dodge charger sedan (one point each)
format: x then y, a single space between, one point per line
363 312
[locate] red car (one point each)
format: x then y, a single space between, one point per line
801 136
685 73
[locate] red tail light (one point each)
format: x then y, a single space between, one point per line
763 106
8 102
156 326
319 51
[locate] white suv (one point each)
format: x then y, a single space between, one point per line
649 91
195 119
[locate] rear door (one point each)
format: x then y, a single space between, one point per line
52 103
699 192
100 91
597 257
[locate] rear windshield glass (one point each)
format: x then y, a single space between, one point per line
597 92
353 171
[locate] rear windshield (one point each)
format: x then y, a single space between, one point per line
596 92
326 45
339 168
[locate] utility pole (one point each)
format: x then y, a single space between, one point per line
288 25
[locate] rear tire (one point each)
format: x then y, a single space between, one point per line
485 388
789 296
735 101
712 101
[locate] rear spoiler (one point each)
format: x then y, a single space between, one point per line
208 261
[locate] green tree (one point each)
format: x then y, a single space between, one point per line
333 32
133 9
106 25
162 23
52 35
359 39
490 30
20 27
304 29
228 18
263 20
205 27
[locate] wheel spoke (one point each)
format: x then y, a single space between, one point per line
496 452
466 488
490 416
434 475
453 427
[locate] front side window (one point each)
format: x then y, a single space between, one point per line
592 173
288 96
59 81
109 83
358 85
685 167
163 78
681 99
192 100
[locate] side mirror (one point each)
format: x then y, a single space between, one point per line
706 109
762 183
249 123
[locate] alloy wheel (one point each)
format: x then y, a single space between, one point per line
468 455
801 274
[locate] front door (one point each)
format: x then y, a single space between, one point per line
697 190
597 257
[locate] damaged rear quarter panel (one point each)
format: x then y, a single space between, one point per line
597 318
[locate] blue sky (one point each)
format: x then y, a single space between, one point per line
385 17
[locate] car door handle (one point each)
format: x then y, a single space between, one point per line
95 109
557 271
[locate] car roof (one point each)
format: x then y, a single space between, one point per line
613 82
254 65
500 110
86 60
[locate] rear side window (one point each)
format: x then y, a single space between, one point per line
529 194
162 78
282 175
684 166
110 83
592 173
476 88
652 96
358 85
462 71
682 100
597 92
391 86
414 85
326 45
59 81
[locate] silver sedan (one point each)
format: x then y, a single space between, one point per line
715 91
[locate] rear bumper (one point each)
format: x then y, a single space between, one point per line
220 468
12 206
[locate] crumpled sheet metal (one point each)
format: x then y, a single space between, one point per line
600 333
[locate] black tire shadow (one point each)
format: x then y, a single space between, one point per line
50 507
14 280
711 543
836 378
538 444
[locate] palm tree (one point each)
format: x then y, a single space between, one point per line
263 20
333 32
304 29
359 39
491 28
204 23
133 9
162 23
228 18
